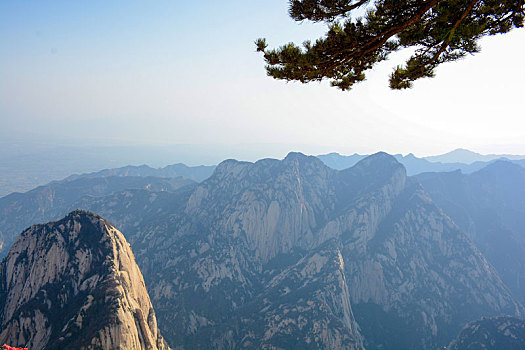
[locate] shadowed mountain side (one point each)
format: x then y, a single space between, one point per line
417 251
491 333
490 206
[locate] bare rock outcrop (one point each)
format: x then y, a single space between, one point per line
74 284
291 254
286 254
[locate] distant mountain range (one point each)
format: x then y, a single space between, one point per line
462 155
195 173
291 253
26 166
22 169
415 165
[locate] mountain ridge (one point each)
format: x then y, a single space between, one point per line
494 333
293 252
415 165
195 173
251 222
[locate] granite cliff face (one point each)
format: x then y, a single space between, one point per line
292 254
74 284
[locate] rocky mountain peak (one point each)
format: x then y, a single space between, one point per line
74 283
379 171
306 163
300 157
379 160
234 169
229 167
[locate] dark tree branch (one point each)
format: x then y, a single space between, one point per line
441 30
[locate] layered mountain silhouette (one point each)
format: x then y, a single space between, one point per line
195 173
74 284
292 254
466 156
464 160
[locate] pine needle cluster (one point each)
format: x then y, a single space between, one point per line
439 31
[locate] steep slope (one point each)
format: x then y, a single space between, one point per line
74 284
306 306
490 206
292 254
491 333
382 257
420 275
215 249
53 201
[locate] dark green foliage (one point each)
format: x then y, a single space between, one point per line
439 30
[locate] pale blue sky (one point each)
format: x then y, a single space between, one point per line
174 72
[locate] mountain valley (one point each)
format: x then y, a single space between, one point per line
293 254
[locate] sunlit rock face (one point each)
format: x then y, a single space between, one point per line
74 284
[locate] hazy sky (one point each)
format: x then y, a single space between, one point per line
186 72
